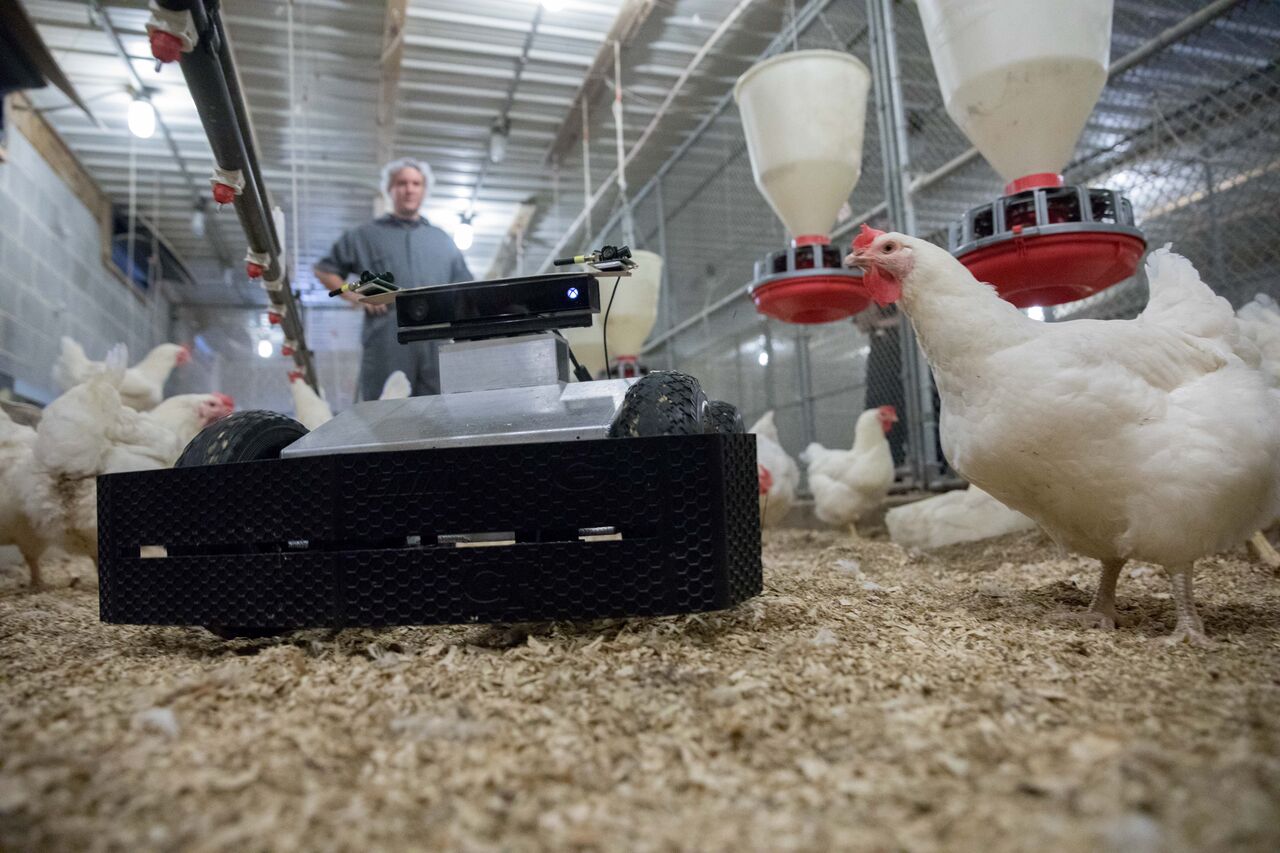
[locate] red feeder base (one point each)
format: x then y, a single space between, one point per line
818 298
807 283
1050 269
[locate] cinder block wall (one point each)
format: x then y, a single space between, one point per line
53 281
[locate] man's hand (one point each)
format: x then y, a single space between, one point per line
333 282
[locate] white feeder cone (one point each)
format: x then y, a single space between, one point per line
635 310
803 114
1020 77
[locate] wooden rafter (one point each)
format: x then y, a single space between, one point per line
392 52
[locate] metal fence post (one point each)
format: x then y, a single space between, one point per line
804 374
895 152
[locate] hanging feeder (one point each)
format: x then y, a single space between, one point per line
806 156
1022 92
631 317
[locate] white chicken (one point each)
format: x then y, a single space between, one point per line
1149 439
143 385
396 387
778 474
16 443
89 431
309 407
965 515
1260 321
847 484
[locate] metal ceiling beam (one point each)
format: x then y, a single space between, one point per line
464 19
631 18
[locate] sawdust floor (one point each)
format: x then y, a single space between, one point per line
869 699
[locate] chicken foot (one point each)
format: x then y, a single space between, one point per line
1189 627
32 558
1102 611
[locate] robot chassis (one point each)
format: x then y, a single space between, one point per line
513 495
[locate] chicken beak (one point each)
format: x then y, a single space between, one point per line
856 259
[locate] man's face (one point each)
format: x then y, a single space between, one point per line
407 189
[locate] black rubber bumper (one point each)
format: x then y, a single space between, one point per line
366 539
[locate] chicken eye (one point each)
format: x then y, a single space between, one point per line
888 247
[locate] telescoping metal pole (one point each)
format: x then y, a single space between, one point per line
192 34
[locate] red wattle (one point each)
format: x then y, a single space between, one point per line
766 479
882 288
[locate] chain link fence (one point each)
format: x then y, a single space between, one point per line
1188 128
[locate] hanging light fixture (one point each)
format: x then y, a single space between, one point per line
498 134
464 235
197 220
265 348
142 118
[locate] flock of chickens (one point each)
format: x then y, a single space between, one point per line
111 418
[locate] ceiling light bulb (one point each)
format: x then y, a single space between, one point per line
498 141
142 118
265 348
553 5
1035 312
464 235
763 358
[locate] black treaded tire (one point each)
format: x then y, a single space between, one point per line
664 402
250 436
725 418
242 437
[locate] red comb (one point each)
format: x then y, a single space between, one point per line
865 237
225 399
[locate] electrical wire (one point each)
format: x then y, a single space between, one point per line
604 328
578 370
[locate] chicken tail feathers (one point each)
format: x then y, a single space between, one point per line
1175 284
1181 300
117 362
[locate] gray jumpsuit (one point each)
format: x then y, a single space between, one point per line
418 254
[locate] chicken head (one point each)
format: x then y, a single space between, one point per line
215 407
888 416
884 260
765 479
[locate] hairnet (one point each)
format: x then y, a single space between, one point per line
390 170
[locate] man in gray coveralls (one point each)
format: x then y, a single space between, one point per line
418 254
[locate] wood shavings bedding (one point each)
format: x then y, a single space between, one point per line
869 699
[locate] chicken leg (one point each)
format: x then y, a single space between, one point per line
1102 611
1264 550
1189 626
32 558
